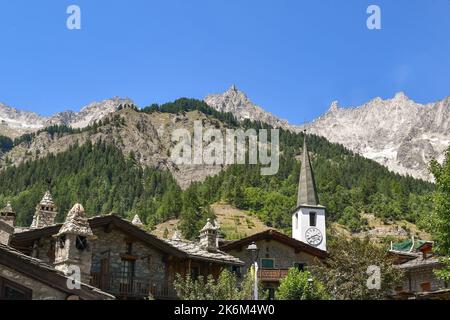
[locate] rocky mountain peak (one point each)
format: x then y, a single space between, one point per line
398 133
334 106
400 97
14 122
236 102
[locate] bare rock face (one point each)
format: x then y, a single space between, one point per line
237 103
14 122
89 114
147 136
398 133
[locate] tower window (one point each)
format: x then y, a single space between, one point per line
62 242
81 243
312 219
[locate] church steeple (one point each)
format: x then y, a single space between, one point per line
307 193
308 220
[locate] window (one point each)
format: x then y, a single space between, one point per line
81 243
296 221
300 266
62 242
312 219
195 273
127 269
12 291
267 263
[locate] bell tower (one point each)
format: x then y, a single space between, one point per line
308 220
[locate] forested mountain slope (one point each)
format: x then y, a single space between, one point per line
122 164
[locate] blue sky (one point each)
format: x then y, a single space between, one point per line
291 57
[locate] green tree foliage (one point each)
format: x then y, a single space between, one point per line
186 105
441 215
344 273
298 285
100 177
108 181
227 287
6 144
344 180
352 218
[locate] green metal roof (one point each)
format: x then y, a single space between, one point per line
405 246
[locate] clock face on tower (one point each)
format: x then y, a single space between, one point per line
313 236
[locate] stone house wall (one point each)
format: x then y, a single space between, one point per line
149 262
45 250
4 237
416 278
40 290
284 256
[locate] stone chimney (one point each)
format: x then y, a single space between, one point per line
46 212
208 237
8 215
6 231
137 221
74 244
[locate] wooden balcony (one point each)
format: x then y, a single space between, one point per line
272 274
130 287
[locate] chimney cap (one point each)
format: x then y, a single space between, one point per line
76 223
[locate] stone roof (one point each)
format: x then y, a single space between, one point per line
176 235
307 193
47 274
47 199
420 262
137 221
76 223
8 208
178 247
209 226
194 250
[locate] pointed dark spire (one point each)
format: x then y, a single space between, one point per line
307 193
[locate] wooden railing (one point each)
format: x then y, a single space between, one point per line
272 274
123 286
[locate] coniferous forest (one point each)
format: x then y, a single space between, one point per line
104 180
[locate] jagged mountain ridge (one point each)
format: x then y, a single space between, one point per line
237 103
398 133
14 122
146 136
